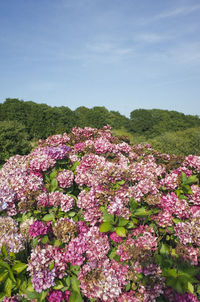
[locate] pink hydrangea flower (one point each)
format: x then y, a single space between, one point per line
37 228
115 237
65 178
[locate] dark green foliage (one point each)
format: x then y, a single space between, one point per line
180 142
151 123
13 140
98 117
40 120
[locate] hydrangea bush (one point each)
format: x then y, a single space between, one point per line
88 217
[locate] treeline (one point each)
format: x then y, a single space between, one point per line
23 122
41 120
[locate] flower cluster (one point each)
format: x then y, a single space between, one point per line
58 296
10 236
43 276
37 228
65 178
103 279
98 219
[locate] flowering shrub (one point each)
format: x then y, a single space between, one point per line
87 217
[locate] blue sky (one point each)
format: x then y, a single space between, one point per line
121 54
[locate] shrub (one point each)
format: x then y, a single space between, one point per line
85 217
180 143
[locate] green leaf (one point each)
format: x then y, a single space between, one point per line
18 283
107 217
3 275
105 227
53 185
22 285
51 265
133 204
198 289
170 272
75 269
32 295
164 249
183 177
58 285
112 254
4 264
75 165
173 253
11 276
4 251
135 220
182 196
57 243
176 220
142 212
128 286
178 286
190 191
71 214
122 221
67 281
36 212
75 284
121 231
192 179
45 239
53 174
48 217
190 287
75 297
19 267
2 295
130 225
34 242
30 287
12 255
43 295
8 287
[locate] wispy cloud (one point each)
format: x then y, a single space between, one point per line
187 53
175 12
108 48
107 52
184 10
151 37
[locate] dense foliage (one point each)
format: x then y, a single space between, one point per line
180 143
13 140
41 120
154 122
86 217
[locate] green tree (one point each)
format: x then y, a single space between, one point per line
154 122
142 121
13 140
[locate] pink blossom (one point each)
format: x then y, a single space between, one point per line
65 178
189 232
192 161
106 281
37 228
115 237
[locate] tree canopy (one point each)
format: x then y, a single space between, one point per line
13 140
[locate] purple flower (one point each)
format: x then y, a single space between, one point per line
58 152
